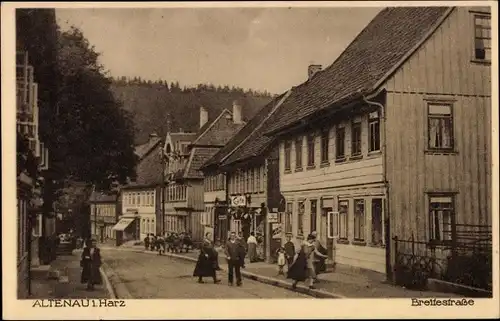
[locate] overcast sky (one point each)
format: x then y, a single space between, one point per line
258 48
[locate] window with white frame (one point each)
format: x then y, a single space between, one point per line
374 127
356 137
289 217
482 37
300 217
340 143
343 216
440 122
333 221
359 220
377 222
298 152
441 220
310 150
288 155
325 143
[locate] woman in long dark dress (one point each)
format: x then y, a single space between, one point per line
302 269
207 263
90 263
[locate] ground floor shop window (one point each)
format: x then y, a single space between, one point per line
343 220
377 222
289 217
359 220
300 218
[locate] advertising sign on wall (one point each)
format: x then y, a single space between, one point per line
272 218
237 201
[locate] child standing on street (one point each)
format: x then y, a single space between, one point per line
281 260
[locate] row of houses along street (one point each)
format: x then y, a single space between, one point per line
386 154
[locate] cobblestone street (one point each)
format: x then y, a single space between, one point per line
153 277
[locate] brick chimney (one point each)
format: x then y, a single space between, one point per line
237 108
312 70
203 116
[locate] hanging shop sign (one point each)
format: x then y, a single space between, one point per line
237 201
272 218
276 230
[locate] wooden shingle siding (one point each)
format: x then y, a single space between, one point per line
442 69
443 64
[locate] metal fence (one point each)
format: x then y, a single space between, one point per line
463 258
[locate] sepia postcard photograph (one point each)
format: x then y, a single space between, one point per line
246 160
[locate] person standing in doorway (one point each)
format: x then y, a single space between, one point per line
235 254
252 247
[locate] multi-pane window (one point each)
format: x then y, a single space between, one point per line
325 141
374 127
288 217
252 180
440 218
300 218
314 211
482 37
343 219
440 119
359 220
247 176
377 222
298 153
310 150
288 162
356 138
340 143
257 177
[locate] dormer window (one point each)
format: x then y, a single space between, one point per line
482 37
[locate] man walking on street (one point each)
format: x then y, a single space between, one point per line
235 254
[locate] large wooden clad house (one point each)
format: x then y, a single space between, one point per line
392 139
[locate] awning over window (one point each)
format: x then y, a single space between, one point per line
122 224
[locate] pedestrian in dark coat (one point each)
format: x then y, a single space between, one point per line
235 254
207 263
90 263
289 250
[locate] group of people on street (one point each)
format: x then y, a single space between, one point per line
171 242
208 262
305 264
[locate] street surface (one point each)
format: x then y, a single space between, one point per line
149 276
69 287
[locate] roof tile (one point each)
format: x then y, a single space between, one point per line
371 55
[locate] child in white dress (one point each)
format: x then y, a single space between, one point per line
281 260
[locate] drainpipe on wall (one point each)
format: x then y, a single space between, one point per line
384 161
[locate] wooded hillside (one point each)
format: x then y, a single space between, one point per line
152 103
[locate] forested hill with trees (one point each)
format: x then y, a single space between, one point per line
153 102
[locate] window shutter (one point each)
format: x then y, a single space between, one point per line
333 225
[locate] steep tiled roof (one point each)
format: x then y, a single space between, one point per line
219 131
143 149
370 58
98 197
199 155
149 168
184 137
244 136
